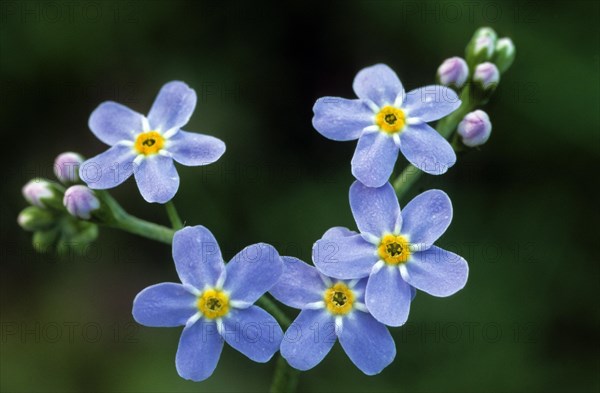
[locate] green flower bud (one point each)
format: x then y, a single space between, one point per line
481 47
44 240
505 54
34 218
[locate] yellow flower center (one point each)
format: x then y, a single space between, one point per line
339 299
394 249
148 143
213 303
390 119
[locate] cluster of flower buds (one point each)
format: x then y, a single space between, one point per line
58 217
476 78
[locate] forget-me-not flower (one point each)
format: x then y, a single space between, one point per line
214 302
331 310
394 249
386 120
146 146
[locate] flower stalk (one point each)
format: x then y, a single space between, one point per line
173 215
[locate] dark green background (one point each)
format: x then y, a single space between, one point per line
525 205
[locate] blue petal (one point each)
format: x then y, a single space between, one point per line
341 119
378 83
367 343
308 339
252 272
335 232
199 350
164 305
375 210
157 178
374 159
189 148
360 289
430 103
299 284
426 217
253 332
113 123
108 169
437 272
344 257
197 257
426 149
173 107
388 296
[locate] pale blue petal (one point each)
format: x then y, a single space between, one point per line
375 210
426 149
112 123
192 149
197 257
199 351
341 119
367 343
299 284
378 83
157 178
308 339
437 272
426 217
173 107
253 332
431 103
336 232
345 257
108 169
164 305
252 272
374 159
360 289
388 296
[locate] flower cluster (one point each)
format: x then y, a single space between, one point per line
487 57
59 217
361 282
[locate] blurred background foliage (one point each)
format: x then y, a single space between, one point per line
525 216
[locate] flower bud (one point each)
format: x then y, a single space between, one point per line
66 167
36 191
80 201
453 71
481 47
487 75
505 54
475 128
34 218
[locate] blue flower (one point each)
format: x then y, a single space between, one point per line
394 249
214 302
146 146
331 310
385 120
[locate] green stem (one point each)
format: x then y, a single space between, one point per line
271 307
173 216
285 379
112 214
150 230
409 176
